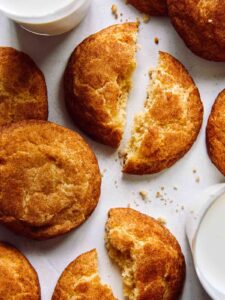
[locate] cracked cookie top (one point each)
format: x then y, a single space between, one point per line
97 81
50 180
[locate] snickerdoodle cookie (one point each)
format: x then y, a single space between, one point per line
80 280
215 137
23 93
200 23
18 279
149 256
170 123
98 79
50 179
150 7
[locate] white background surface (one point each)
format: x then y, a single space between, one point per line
51 54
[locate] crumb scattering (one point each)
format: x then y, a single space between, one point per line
114 11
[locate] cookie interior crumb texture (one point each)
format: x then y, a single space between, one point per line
18 279
50 179
170 122
96 89
80 280
149 257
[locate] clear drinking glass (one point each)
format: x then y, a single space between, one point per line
61 21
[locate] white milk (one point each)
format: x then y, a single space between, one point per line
209 248
48 17
33 8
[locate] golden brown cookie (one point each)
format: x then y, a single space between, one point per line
97 81
50 179
18 279
200 23
152 264
170 123
215 137
150 7
81 281
23 93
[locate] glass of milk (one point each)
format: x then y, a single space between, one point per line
205 229
46 17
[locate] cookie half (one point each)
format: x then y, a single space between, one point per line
98 79
80 280
215 137
50 179
23 92
150 7
150 258
18 279
201 25
170 123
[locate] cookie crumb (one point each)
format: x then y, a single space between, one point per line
161 221
197 179
146 18
121 154
143 194
162 188
175 188
138 21
194 171
158 195
114 11
156 40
